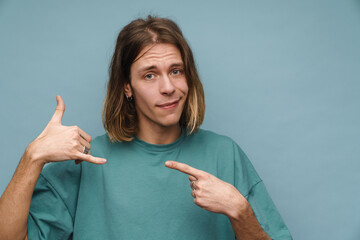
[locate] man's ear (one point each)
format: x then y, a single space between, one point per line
127 90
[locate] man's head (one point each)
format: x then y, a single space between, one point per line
154 66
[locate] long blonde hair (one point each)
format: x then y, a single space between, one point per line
119 115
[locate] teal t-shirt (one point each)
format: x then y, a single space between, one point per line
134 196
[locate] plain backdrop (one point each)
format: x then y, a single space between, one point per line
282 78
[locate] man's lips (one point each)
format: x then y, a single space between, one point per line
168 104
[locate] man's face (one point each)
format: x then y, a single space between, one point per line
159 86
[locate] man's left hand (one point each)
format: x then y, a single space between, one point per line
212 193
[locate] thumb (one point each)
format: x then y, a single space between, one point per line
59 111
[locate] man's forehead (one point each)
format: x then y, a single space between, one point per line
164 54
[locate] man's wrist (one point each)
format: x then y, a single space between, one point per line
244 222
32 158
240 209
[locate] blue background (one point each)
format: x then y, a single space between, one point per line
282 78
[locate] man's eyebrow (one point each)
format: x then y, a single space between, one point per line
147 68
179 64
151 67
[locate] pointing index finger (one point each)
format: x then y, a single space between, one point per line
182 167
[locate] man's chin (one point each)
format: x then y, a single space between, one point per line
169 119
170 123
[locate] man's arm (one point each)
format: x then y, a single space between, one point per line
245 224
56 143
16 199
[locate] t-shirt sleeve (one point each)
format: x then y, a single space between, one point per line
53 203
248 182
266 213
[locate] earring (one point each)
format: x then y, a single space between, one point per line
129 98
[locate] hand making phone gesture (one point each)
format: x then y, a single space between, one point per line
60 143
55 143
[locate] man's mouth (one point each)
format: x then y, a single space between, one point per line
169 105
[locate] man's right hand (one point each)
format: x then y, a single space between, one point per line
56 143
59 143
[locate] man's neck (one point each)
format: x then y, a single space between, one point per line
159 135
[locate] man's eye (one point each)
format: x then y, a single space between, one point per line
149 76
176 71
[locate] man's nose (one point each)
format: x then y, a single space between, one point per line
166 85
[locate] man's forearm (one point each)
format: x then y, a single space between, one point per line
245 224
16 199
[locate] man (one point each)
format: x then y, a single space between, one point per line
152 114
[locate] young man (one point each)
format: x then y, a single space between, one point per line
133 185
